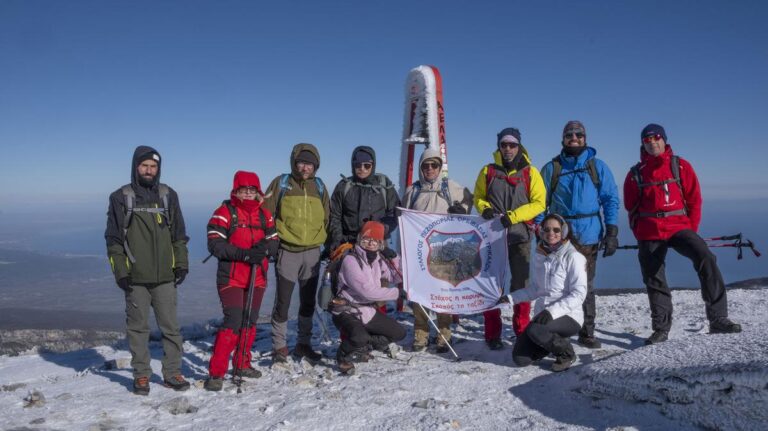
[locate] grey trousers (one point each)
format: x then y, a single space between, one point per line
292 267
162 299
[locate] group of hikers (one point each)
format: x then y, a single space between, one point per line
571 206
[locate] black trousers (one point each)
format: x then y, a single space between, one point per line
652 255
589 307
379 332
537 340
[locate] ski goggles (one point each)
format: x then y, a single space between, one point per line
430 165
551 229
650 138
365 165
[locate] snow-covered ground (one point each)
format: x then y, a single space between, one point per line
693 381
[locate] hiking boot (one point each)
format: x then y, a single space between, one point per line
441 348
417 347
177 383
214 384
495 344
563 362
280 355
141 386
305 351
589 342
723 325
346 367
249 373
657 337
359 356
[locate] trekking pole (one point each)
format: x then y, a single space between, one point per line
439 333
237 377
400 274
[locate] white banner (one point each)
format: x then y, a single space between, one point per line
452 263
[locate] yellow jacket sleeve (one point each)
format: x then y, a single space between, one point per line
480 195
538 200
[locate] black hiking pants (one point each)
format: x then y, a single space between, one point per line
539 340
379 332
652 255
589 307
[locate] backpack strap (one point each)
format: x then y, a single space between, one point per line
446 191
557 167
129 200
675 168
414 194
380 187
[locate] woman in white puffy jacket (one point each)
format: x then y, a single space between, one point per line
559 287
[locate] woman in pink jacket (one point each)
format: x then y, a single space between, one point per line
359 288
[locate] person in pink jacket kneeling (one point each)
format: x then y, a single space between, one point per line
354 310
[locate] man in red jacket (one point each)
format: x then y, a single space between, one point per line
663 199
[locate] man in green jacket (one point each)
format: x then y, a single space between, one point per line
147 248
300 204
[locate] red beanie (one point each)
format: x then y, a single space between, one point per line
373 230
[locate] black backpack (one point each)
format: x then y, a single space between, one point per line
557 168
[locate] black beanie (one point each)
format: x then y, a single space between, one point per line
307 157
653 129
509 131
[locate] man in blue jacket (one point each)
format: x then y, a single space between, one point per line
578 186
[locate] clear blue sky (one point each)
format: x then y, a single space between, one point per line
218 86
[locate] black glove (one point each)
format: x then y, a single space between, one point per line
456 208
125 284
181 274
487 213
388 253
505 299
506 222
254 255
610 241
542 318
272 246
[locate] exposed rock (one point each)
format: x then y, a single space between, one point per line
34 399
12 387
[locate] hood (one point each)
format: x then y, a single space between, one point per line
365 149
429 153
580 160
246 179
298 148
141 153
524 161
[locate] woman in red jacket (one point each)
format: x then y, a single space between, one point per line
241 234
663 199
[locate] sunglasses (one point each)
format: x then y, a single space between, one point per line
251 190
430 165
364 165
551 229
650 138
508 145
577 134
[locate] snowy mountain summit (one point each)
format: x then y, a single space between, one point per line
693 381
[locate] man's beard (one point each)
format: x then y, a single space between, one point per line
147 181
574 151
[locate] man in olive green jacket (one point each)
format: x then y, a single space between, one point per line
147 248
300 204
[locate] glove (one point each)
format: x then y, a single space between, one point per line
456 208
506 222
610 241
181 274
272 246
388 253
487 213
505 299
125 284
542 318
255 254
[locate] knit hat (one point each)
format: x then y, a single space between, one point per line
362 157
148 156
307 157
574 126
510 134
653 129
372 229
